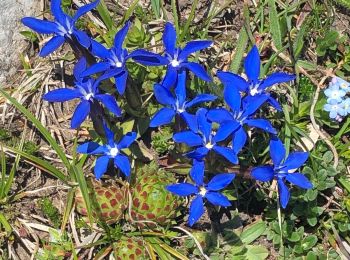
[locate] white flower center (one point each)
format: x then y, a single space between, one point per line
118 64
202 191
335 94
175 63
209 145
89 96
254 91
344 85
335 107
113 152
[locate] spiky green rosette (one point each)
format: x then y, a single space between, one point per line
151 201
112 201
130 248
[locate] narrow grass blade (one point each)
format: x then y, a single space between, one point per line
129 12
39 163
188 21
275 28
156 8
3 174
39 126
68 209
4 223
105 15
240 49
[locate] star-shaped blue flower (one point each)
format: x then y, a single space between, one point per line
201 190
255 86
113 60
334 92
336 109
109 151
177 58
63 27
241 114
283 170
176 105
204 139
87 90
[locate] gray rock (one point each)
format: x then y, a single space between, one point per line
11 41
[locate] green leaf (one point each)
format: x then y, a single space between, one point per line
312 221
275 27
325 43
309 242
39 126
256 252
294 237
252 232
311 256
327 157
30 36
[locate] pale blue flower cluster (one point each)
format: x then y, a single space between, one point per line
338 103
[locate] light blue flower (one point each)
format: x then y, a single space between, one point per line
335 93
346 106
334 108
341 83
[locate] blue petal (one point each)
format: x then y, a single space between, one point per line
217 199
53 44
203 124
197 172
188 137
201 98
122 162
80 113
232 80
96 68
182 189
299 179
127 140
162 117
295 160
99 50
274 103
252 64
253 103
191 121
262 124
226 128
180 89
163 95
109 134
277 151
198 153
219 115
109 102
120 36
91 148
232 98
263 173
40 26
84 9
169 38
193 46
61 95
57 12
101 166
274 78
148 58
170 77
82 38
196 210
283 193
239 139
79 68
220 181
228 153
120 81
198 70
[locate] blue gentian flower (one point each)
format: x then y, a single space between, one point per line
177 58
62 27
87 90
242 114
176 105
109 151
334 92
204 139
255 86
336 109
113 60
201 190
283 170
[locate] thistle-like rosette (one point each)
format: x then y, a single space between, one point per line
283 169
